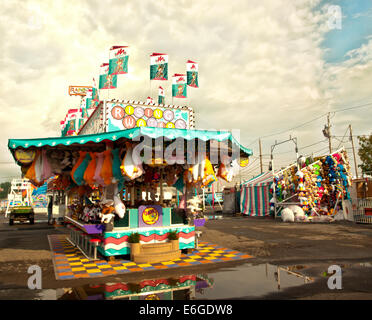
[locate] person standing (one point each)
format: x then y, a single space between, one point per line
50 209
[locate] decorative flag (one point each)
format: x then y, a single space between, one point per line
95 96
118 63
192 74
159 66
179 86
149 100
107 81
161 97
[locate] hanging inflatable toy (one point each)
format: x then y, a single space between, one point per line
97 175
82 155
209 177
91 169
79 171
116 172
46 168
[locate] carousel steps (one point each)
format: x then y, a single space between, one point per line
156 257
156 252
156 247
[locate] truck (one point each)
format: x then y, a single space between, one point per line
19 207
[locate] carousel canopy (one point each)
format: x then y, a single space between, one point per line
100 139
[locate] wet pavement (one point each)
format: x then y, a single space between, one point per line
303 254
250 280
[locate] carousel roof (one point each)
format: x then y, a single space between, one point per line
130 134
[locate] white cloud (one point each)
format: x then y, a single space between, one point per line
261 63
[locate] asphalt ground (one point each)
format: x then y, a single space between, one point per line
311 247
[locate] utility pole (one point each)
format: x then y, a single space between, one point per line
259 144
352 144
329 133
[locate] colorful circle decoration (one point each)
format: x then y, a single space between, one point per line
244 162
170 125
180 124
25 156
151 122
158 114
168 115
150 216
139 112
129 122
117 112
148 112
141 123
129 110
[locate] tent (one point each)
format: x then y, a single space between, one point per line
255 195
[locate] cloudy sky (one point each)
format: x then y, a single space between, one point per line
269 68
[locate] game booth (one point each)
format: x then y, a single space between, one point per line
113 177
315 188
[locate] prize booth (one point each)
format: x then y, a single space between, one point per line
114 181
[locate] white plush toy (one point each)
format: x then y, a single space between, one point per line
193 204
106 218
298 212
119 207
287 215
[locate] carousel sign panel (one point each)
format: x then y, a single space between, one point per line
122 116
94 124
79 90
150 216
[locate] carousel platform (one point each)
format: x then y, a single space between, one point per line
69 263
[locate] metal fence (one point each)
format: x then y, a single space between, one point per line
362 211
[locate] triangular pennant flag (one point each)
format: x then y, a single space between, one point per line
149 100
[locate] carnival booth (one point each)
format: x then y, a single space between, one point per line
105 176
314 188
255 195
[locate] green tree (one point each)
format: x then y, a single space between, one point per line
365 154
4 190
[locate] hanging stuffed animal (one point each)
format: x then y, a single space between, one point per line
107 213
46 168
38 168
116 172
193 205
106 171
90 171
131 166
119 207
209 176
97 174
78 175
82 155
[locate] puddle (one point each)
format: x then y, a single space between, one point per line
253 281
245 281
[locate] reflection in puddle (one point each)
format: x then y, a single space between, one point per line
180 288
246 280
253 281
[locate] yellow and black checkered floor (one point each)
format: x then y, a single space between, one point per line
70 263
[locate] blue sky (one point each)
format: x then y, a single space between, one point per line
356 27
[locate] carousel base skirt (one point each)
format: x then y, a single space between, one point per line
70 263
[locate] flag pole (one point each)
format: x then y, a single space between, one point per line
108 89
